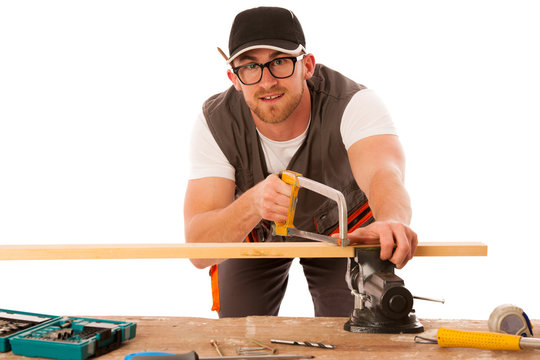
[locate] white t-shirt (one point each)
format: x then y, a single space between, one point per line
364 116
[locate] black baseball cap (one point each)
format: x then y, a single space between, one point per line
266 27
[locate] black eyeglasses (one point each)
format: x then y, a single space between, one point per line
280 68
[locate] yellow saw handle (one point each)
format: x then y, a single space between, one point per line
291 178
478 340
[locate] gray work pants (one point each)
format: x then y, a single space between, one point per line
256 286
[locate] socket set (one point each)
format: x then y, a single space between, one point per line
14 322
63 338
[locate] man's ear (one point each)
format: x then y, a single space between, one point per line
234 79
309 63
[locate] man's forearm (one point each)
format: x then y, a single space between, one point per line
388 198
390 204
211 215
229 224
378 166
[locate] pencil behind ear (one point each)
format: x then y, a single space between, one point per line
222 54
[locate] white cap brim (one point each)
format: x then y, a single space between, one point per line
298 51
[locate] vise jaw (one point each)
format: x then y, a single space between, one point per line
382 303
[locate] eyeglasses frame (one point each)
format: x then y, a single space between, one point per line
294 59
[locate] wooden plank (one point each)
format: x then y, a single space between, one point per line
451 249
216 250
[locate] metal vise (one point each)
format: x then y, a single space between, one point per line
382 303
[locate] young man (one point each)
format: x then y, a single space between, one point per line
285 112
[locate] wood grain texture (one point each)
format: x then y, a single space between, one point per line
215 250
184 334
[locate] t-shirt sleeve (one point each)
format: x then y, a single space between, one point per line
365 116
205 156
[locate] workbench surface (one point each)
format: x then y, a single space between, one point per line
181 334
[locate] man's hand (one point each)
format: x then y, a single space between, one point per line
272 197
389 234
211 214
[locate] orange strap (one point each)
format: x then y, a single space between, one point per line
215 287
252 237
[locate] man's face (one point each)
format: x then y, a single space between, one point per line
272 100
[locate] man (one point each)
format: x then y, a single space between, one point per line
285 112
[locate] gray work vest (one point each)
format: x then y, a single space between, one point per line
322 157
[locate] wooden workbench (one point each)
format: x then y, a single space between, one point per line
180 335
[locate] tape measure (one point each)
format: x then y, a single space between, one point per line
510 319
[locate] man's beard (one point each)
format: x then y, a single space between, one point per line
275 114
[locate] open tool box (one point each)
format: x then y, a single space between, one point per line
70 338
14 322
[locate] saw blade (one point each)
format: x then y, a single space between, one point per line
316 237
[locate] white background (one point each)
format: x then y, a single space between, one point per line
97 99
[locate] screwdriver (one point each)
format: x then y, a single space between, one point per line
481 340
194 356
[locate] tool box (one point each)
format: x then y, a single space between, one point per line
64 338
14 322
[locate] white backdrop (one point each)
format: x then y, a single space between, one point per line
97 99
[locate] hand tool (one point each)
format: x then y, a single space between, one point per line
510 319
429 299
11 323
61 334
10 327
303 343
480 340
287 228
382 303
216 346
194 356
67 323
257 342
252 351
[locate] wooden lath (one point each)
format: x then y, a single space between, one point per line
217 250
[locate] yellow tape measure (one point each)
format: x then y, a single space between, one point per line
510 319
